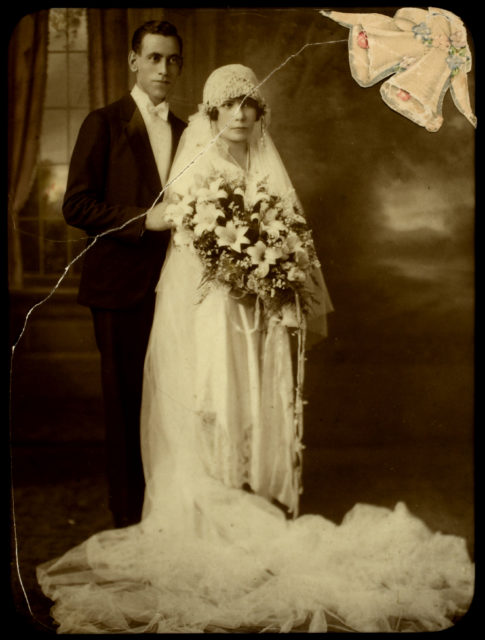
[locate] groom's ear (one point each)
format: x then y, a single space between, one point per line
132 61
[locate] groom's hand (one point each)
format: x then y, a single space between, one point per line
156 219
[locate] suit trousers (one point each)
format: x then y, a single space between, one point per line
122 338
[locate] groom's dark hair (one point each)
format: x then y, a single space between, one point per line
158 27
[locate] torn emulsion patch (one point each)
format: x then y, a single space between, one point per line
424 51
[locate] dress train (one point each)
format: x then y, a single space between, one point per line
209 555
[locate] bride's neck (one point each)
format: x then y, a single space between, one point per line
239 151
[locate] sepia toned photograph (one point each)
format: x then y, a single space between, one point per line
241 298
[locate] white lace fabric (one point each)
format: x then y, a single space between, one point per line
425 53
244 566
229 82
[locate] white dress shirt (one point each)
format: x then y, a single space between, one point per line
158 128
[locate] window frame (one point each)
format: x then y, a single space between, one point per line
40 214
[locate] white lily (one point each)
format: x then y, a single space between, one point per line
206 217
271 224
212 192
232 236
263 257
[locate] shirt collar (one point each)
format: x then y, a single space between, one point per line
145 105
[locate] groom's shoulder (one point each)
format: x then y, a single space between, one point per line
109 119
122 108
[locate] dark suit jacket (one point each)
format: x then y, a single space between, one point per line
113 179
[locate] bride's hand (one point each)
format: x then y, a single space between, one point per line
156 218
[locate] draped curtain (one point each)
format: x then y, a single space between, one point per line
107 43
27 72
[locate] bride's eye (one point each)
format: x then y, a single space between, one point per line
250 102
228 104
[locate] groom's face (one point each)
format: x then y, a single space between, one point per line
157 65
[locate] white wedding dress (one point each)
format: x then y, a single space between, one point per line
210 555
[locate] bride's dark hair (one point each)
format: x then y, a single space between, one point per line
213 112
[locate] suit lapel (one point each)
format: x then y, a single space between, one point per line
141 147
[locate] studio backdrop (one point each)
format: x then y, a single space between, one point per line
392 207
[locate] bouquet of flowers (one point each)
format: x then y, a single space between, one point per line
256 245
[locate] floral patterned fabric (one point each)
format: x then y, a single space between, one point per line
424 51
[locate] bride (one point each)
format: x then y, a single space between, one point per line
220 546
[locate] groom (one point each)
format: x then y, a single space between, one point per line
119 165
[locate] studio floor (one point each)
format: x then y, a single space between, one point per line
60 491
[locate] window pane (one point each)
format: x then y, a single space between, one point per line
57 29
52 185
48 244
29 241
78 80
55 247
77 32
56 89
76 118
54 146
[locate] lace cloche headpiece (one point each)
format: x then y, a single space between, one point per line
229 82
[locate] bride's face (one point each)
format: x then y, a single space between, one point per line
236 119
